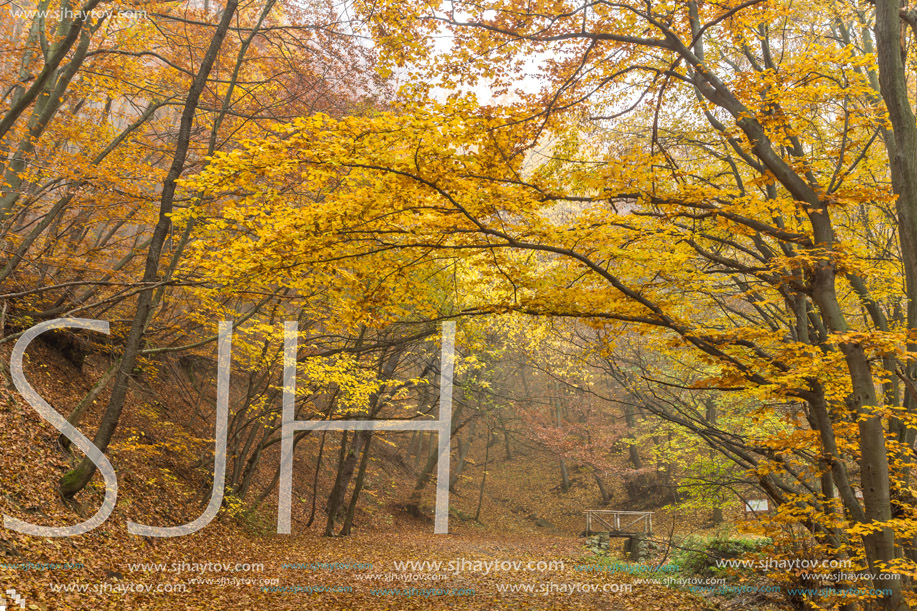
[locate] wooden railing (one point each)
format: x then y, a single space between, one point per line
620 523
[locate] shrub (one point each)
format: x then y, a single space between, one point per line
699 555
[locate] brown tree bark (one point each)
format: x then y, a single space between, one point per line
76 480
357 487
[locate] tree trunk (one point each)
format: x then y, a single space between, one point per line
606 497
464 447
318 467
273 483
388 363
342 457
357 487
415 445
477 513
632 452
564 476
76 480
345 473
80 409
901 146
413 503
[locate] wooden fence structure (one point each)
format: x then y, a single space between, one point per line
618 523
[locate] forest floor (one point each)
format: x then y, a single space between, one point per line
357 572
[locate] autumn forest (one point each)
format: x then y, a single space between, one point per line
439 304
